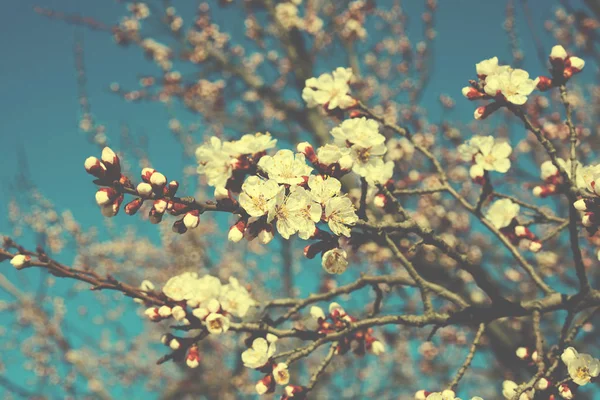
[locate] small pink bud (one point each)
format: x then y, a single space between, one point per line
111 160
105 196
544 83
575 63
236 233
558 53
95 167
144 189
542 384
171 189
522 353
133 206
146 173
580 205
471 93
380 200
191 219
565 391
157 179
160 206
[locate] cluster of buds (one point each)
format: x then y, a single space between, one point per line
154 187
520 235
251 228
107 170
156 314
323 165
563 67
213 317
337 320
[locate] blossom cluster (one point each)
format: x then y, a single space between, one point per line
154 188
260 357
508 86
204 299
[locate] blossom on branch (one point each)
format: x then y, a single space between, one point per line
329 90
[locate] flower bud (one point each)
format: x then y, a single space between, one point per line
380 200
421 395
193 357
221 193
542 384
575 63
171 189
133 206
471 93
20 261
158 180
580 205
164 311
558 54
144 189
522 353
147 173
152 314
565 391
178 313
265 236
317 313
308 150
236 232
95 167
377 348
544 83
334 261
191 219
160 206
111 161
105 196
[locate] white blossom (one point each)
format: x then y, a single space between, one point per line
582 367
322 188
217 323
502 212
329 89
340 214
489 67
513 84
295 212
235 299
215 162
331 154
285 167
256 194
487 153
259 354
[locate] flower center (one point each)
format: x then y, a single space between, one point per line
583 372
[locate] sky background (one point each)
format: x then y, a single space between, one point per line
39 105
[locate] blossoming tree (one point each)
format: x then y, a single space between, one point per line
428 236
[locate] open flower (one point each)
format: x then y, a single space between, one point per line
582 367
487 153
217 323
296 212
281 374
322 188
285 167
256 194
489 67
260 353
513 84
502 212
340 214
330 90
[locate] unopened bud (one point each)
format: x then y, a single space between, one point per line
144 189
133 206
191 219
20 261
95 167
236 233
